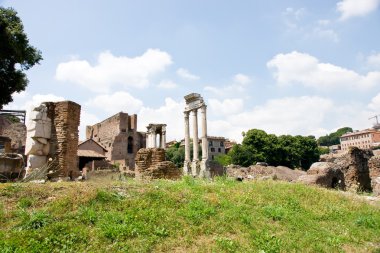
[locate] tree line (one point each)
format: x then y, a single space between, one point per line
285 150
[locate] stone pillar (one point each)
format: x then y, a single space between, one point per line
186 166
204 170
195 143
147 139
163 139
204 134
155 140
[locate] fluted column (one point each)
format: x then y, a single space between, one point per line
204 133
187 144
195 136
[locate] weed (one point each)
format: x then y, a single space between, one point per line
36 220
25 202
227 244
266 242
197 210
367 221
275 212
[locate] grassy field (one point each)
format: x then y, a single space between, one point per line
184 216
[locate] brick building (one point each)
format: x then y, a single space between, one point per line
119 136
364 139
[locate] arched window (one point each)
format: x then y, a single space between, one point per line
130 145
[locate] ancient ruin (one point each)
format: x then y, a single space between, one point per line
119 136
194 101
151 136
52 132
151 164
350 168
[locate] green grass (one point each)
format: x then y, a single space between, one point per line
184 216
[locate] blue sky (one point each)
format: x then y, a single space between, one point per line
287 67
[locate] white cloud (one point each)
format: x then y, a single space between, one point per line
242 79
184 73
237 87
328 34
293 17
356 8
116 102
300 68
86 119
374 61
113 70
324 22
171 113
167 84
375 103
290 115
226 106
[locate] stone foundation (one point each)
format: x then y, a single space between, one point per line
151 164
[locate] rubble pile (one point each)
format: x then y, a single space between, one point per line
263 172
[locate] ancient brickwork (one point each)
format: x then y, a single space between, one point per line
151 164
64 141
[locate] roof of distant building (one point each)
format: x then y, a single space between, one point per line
82 142
89 153
365 131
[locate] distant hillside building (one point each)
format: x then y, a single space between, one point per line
364 139
119 136
215 146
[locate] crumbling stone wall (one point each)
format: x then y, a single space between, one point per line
151 164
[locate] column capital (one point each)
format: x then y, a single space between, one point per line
186 114
195 112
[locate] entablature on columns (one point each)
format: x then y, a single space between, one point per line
194 101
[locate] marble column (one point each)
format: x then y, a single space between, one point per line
163 139
194 166
204 166
204 133
186 167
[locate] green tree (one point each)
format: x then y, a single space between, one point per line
176 154
223 159
333 138
16 55
291 151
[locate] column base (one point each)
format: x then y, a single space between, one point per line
186 168
195 167
204 169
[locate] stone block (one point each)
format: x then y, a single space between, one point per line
36 161
39 129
